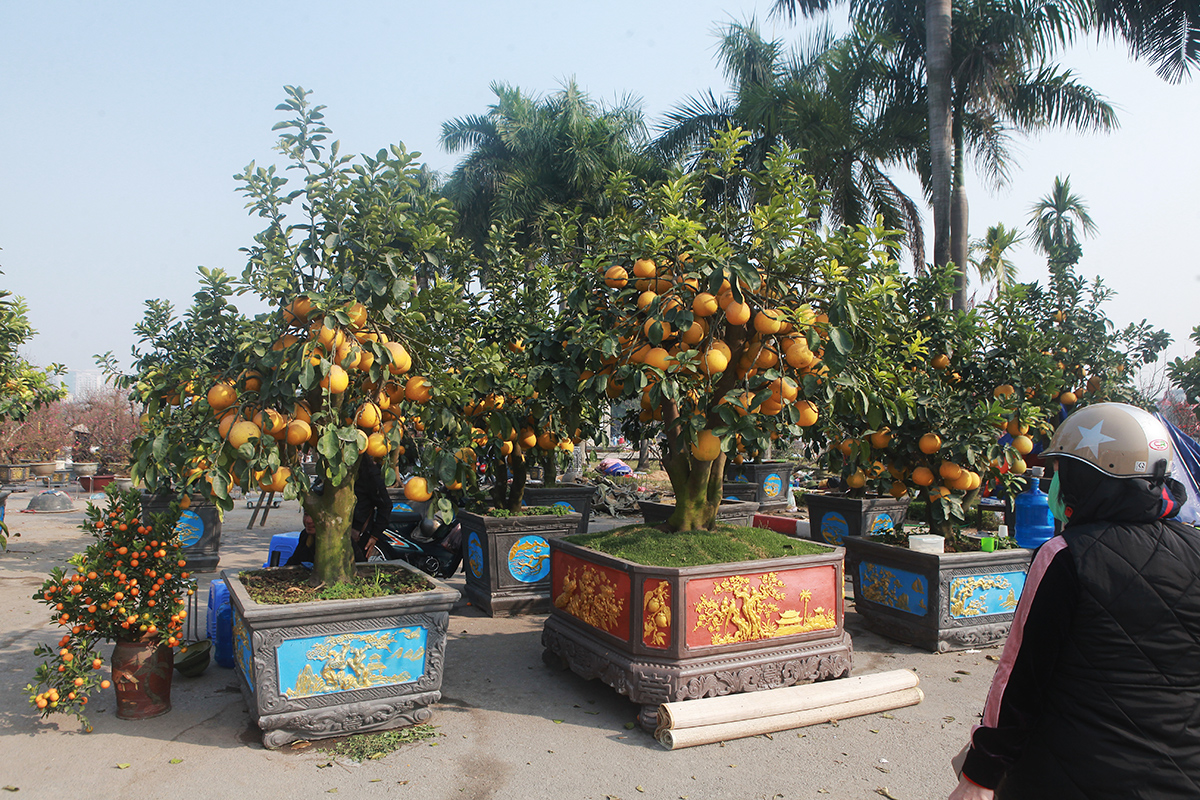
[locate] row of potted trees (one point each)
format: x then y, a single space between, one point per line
727 329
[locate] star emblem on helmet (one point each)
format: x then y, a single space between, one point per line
1091 438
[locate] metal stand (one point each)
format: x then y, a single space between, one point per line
264 505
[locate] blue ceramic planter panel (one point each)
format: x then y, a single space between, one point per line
894 588
773 485
529 559
565 504
989 593
242 651
474 555
343 662
834 528
401 507
189 529
882 523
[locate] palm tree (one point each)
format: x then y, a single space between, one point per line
835 100
529 157
1164 32
988 255
1053 221
933 50
997 87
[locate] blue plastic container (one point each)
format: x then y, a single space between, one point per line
220 623
1033 523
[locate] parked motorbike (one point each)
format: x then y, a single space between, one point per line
432 546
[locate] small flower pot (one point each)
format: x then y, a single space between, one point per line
142 678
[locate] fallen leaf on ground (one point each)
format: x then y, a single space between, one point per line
883 790
123 766
557 721
886 715
630 726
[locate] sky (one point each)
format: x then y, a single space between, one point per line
124 123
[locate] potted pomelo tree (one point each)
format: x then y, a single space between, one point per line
725 324
342 371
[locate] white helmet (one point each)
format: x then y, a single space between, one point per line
1120 440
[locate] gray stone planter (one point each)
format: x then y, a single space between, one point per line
938 602
199 530
772 482
833 518
507 560
14 473
337 667
578 498
733 512
664 634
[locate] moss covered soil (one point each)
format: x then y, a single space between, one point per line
279 587
644 544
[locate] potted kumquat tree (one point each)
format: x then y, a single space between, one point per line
129 587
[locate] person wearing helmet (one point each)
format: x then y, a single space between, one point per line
1097 693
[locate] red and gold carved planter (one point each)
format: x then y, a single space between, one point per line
661 634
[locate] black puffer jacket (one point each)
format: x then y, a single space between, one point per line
1100 696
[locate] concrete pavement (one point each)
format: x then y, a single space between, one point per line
508 726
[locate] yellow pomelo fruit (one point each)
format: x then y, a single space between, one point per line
616 277
922 476
221 396
949 470
401 361
881 439
807 413
644 268
418 389
369 416
298 432
704 305
707 446
1023 445
416 490
336 380
930 443
767 321
737 313
242 432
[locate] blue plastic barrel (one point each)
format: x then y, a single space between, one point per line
1033 523
220 623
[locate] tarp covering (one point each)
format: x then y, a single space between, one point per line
1187 470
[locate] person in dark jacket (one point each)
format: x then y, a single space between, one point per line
1097 694
372 511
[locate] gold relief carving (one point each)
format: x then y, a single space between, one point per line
589 596
962 602
656 614
745 613
882 586
345 668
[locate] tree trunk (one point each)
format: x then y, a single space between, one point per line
959 241
516 491
937 72
643 463
332 511
697 492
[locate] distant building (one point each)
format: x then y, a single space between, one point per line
82 383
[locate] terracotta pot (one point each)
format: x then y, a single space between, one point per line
142 677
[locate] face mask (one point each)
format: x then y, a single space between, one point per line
1057 507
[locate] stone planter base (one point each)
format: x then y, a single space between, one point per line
732 512
577 498
507 561
772 482
199 530
14 473
336 667
832 517
664 634
938 602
